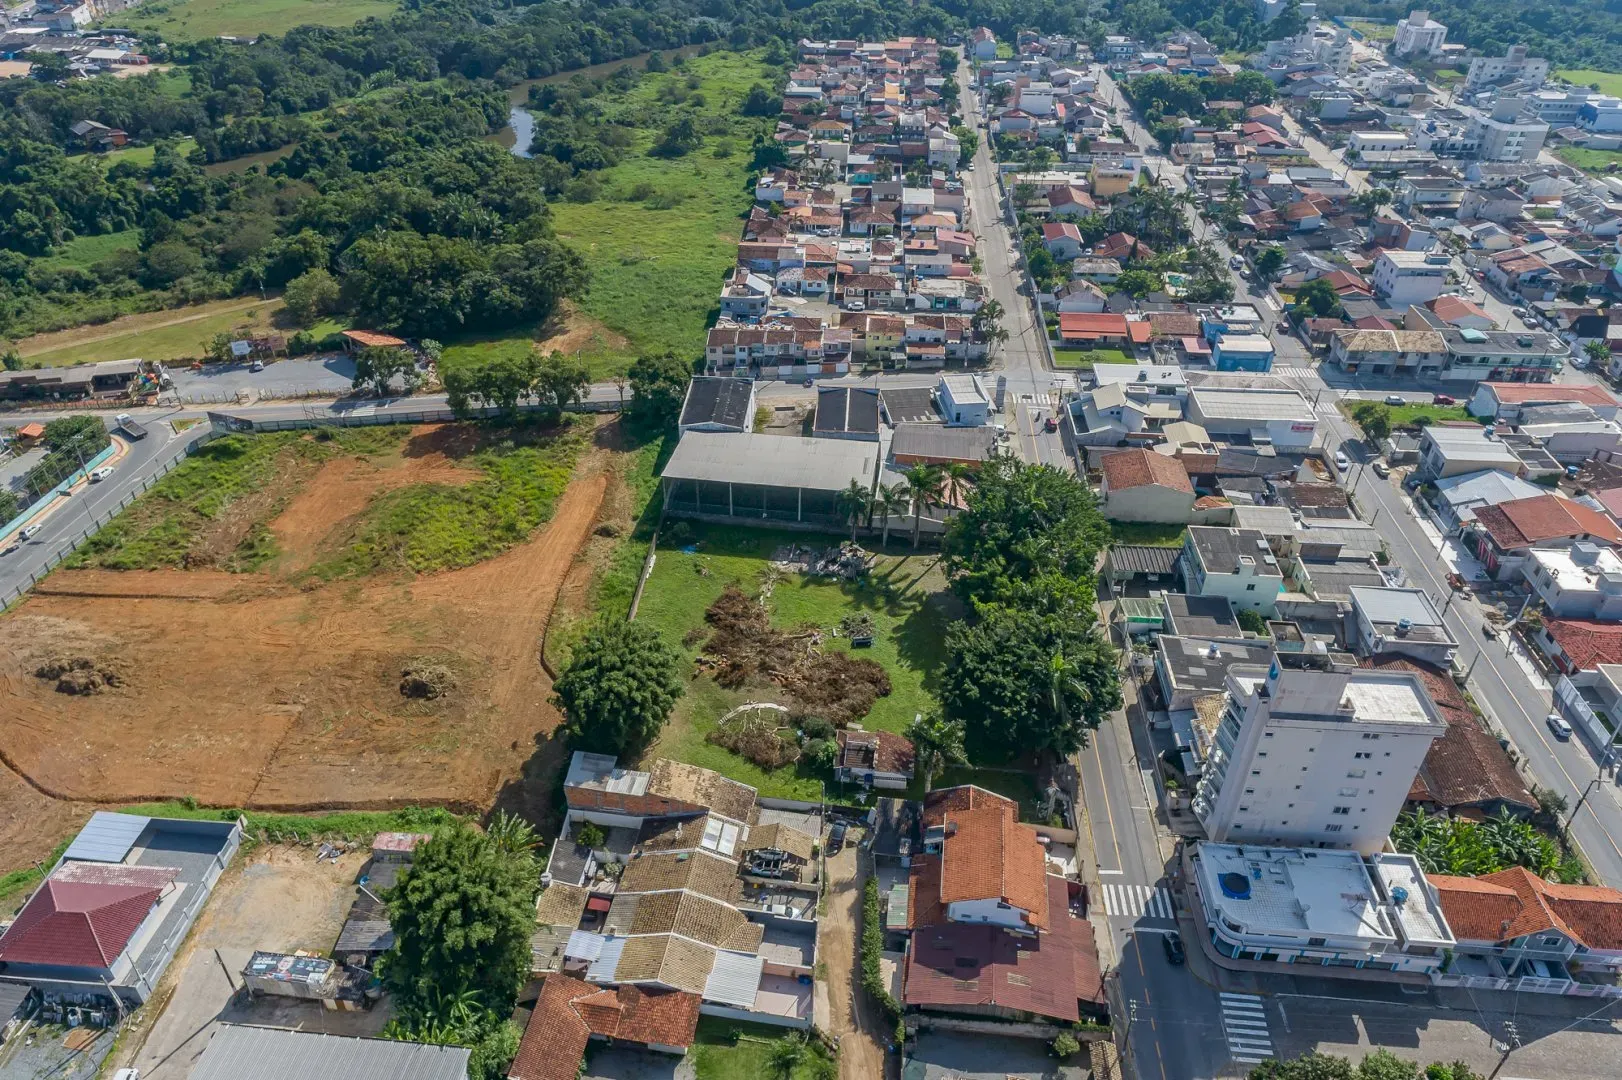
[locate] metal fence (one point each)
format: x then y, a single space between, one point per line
84 532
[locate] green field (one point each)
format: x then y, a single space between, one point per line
728 1050
141 155
1372 31
1086 358
86 251
1146 534
1407 416
905 595
1610 82
1595 161
178 20
179 340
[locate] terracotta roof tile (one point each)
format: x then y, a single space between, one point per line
1515 393
1140 468
569 1011
84 915
1516 902
989 855
1522 522
1586 643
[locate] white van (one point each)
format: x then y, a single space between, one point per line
1558 725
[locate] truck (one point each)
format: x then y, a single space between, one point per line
130 426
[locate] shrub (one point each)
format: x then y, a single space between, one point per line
873 949
1065 1045
589 835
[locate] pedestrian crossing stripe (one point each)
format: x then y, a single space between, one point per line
1138 902
1244 1023
1296 372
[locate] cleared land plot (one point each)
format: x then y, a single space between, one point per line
904 595
178 333
1595 161
198 19
277 689
279 899
1610 82
1086 358
1407 416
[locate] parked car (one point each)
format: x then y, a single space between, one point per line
1395 399
836 836
1051 424
15 545
101 474
1381 469
1444 399
1173 944
1519 313
1342 462
257 365
1558 725
1235 262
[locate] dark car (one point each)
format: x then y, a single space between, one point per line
1051 424
836 836
1173 944
1444 399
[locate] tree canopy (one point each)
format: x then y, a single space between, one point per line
658 388
621 683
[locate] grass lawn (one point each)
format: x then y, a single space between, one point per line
1018 786
177 334
1594 161
1407 416
197 19
1086 358
86 251
1372 31
658 261
1146 533
141 155
905 595
1610 82
729 1050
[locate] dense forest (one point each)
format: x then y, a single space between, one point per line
1568 33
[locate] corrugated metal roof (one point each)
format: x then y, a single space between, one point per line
773 460
12 995
584 945
237 1052
607 961
106 837
1141 559
734 979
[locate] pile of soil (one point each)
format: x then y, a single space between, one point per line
81 674
744 646
423 679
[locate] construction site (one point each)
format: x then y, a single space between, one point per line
281 689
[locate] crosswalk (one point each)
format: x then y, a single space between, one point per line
1244 1022
1138 902
1326 408
1295 372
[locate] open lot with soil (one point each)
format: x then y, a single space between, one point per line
283 687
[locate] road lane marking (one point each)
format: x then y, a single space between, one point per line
1244 1024
1138 902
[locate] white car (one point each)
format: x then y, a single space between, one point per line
1342 462
101 474
30 531
1558 725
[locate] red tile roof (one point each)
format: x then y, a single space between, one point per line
1522 522
569 1011
1091 324
1516 902
84 915
1061 230
1586 643
1344 281
1139 330
966 965
1453 308
372 340
1517 393
1139 468
989 855
1122 245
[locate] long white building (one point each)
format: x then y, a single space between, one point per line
1314 759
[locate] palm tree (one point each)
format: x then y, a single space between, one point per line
955 478
936 743
853 505
512 834
924 484
891 501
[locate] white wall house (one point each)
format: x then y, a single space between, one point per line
1315 759
1583 581
1408 277
1418 35
1234 563
963 401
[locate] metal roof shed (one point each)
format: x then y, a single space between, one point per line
239 1052
734 980
107 837
766 477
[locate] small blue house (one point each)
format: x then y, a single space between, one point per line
1242 352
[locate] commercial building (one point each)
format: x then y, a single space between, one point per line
1280 418
963 401
112 912
1315 759
1583 581
1409 277
1504 401
847 412
1418 35
1401 622
1237 564
765 478
1320 908
1242 352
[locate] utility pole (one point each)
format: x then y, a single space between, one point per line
1604 762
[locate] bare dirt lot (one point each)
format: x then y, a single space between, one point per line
278 899
855 1021
272 691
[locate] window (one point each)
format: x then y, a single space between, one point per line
1360 755
1356 774
1331 828
1250 791
1250 588
1267 734
1343 810
1348 793
1244 809
1552 942
1255 772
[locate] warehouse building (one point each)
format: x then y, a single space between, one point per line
766 478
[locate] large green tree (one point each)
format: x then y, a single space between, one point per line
462 915
1024 682
621 683
658 387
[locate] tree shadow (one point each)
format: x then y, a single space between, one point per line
536 793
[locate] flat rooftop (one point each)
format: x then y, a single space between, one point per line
1361 697
1388 609
788 461
1417 911
1252 404
1580 567
1290 890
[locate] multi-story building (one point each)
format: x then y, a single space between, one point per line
1315 759
1401 622
1583 581
1513 66
1507 135
1418 35
1409 277
1238 564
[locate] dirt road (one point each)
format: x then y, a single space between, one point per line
861 1028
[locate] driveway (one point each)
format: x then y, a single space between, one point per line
861 1029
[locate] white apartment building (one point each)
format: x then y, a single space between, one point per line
1322 908
1378 140
1418 35
1408 277
1314 759
1507 134
1513 65
1583 581
1234 563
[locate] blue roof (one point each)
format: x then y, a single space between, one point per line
106 837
